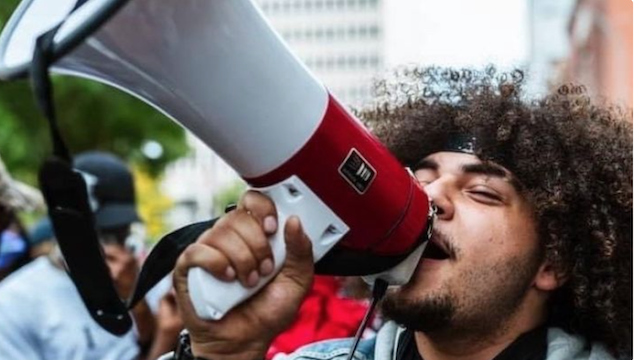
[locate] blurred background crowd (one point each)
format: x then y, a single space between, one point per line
348 44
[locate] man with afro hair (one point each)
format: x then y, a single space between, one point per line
530 256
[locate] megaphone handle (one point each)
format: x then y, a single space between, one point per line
213 298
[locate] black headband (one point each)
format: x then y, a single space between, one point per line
461 143
469 143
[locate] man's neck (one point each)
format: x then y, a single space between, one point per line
453 344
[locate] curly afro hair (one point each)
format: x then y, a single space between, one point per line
573 158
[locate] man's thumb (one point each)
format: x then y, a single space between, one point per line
299 252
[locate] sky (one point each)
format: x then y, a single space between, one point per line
457 32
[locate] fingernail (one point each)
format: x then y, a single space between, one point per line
270 224
266 267
253 278
230 273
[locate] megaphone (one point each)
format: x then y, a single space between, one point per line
218 68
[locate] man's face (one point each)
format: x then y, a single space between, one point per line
484 253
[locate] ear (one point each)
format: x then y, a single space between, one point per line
548 278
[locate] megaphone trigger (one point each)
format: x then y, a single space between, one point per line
213 298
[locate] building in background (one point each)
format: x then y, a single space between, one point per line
341 41
601 48
549 43
192 183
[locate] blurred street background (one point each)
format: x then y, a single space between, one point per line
347 43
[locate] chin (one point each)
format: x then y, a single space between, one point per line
419 311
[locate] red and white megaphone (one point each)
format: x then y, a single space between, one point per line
217 68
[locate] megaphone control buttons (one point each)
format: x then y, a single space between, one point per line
292 193
331 235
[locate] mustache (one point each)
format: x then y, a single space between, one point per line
447 243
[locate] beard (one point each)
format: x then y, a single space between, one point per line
476 302
430 313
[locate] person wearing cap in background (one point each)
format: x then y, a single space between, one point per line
531 252
14 197
41 312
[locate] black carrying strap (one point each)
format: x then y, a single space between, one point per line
41 84
66 196
162 259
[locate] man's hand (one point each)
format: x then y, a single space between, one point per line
168 318
237 248
169 324
124 268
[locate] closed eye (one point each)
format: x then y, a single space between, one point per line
486 196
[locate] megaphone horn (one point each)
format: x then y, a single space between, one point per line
217 68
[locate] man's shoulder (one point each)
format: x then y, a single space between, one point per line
379 347
561 346
565 346
27 277
33 286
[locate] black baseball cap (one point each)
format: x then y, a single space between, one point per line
110 187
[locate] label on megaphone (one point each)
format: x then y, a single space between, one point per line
213 298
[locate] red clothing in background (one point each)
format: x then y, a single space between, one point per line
324 314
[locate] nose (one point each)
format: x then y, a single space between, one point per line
439 193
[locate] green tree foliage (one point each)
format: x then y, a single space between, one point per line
91 116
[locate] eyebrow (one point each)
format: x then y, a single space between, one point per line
426 165
494 170
487 169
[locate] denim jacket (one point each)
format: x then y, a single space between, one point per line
561 346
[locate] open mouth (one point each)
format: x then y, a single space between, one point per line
435 251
